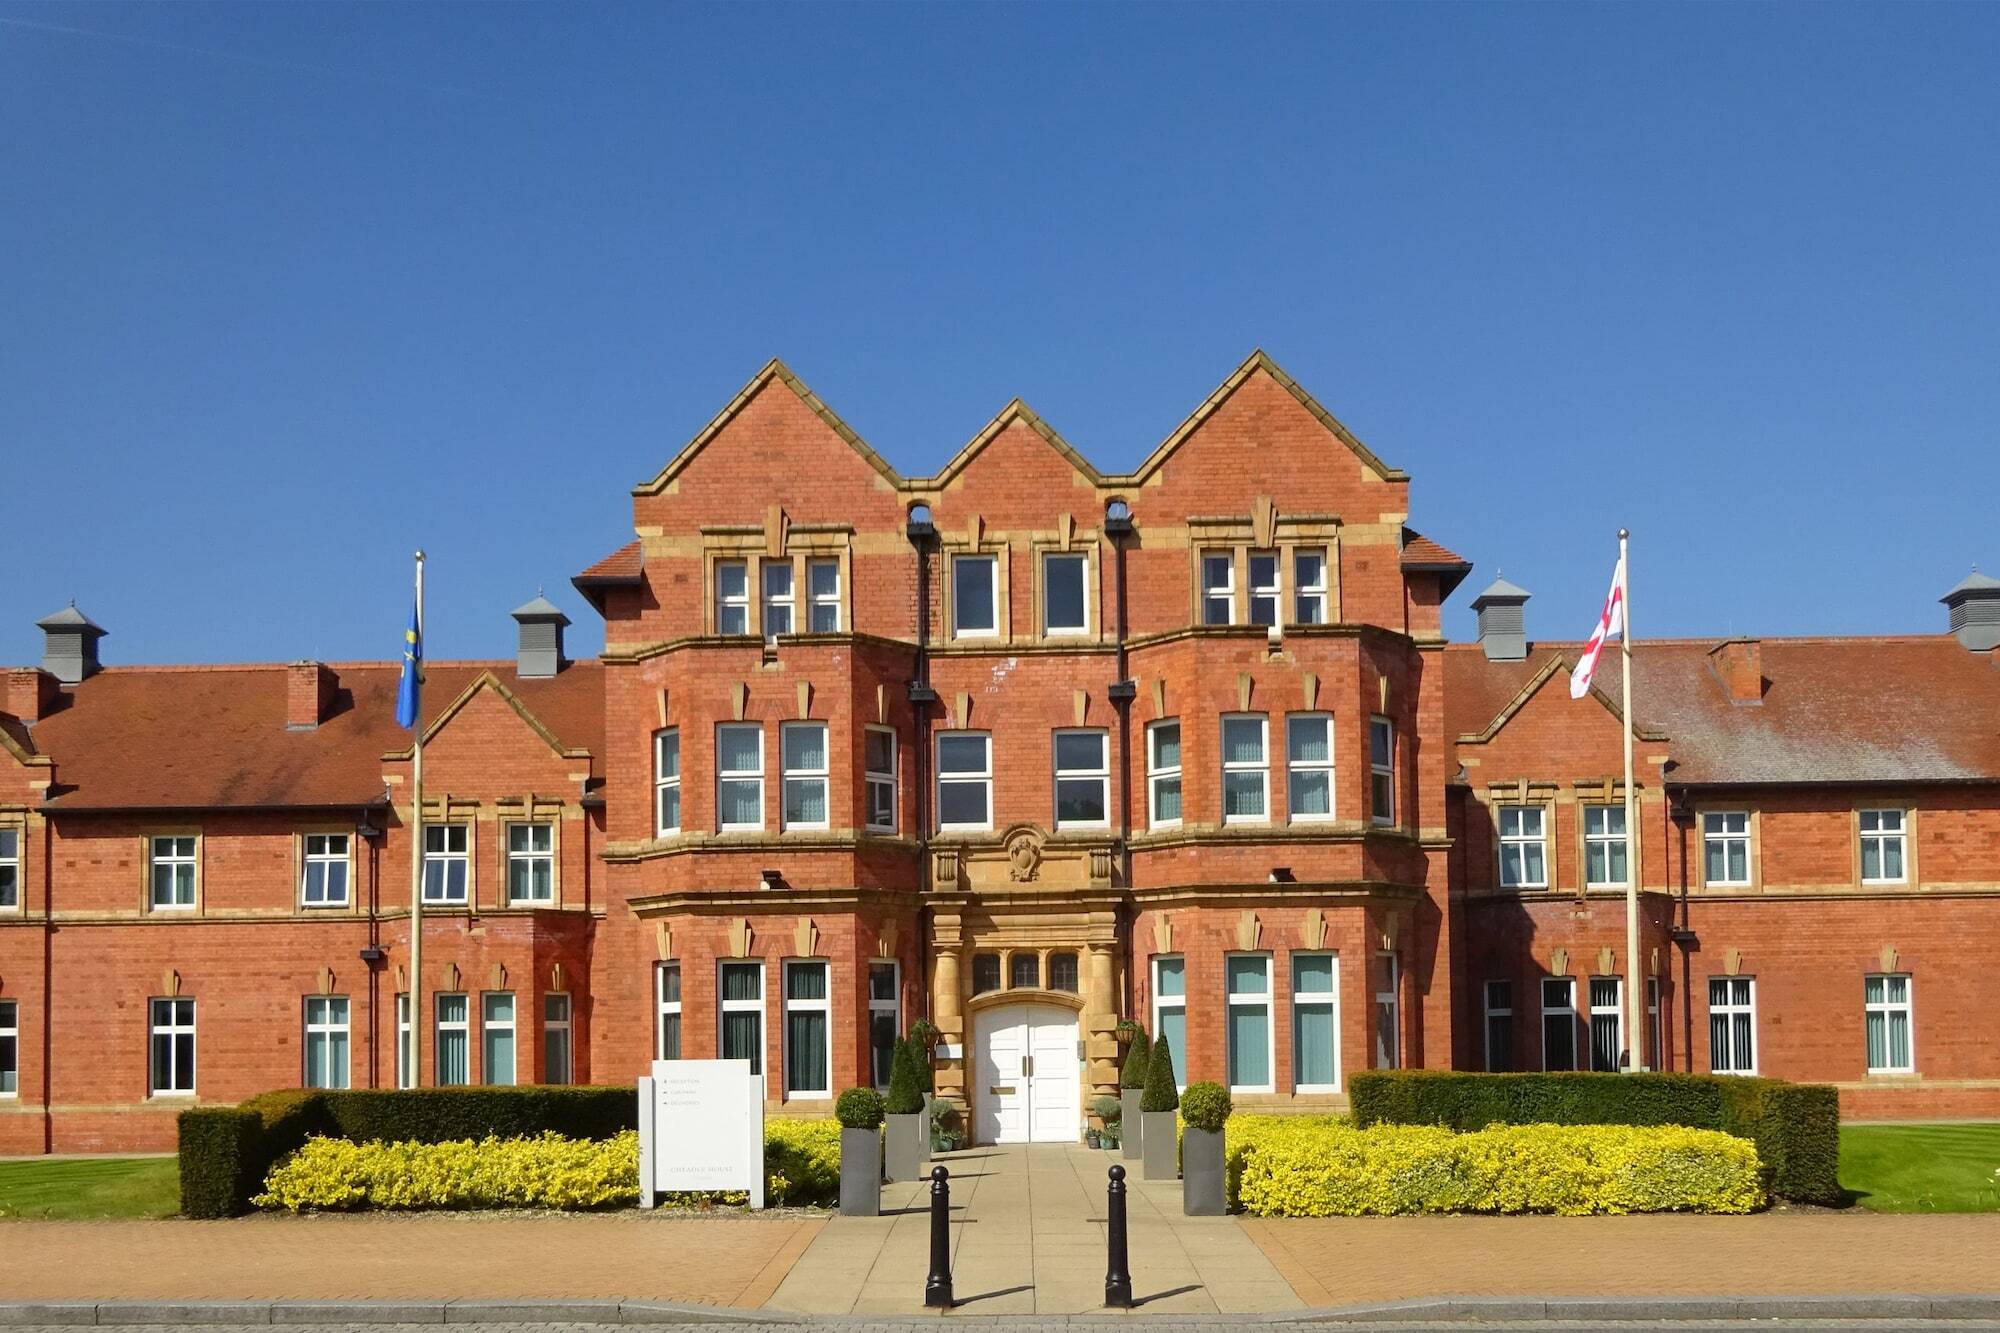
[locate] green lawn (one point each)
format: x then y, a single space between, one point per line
1922 1168
91 1187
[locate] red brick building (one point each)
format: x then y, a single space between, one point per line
1023 748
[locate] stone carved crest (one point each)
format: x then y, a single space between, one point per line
1024 855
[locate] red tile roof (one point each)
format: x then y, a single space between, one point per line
1421 550
1888 709
622 565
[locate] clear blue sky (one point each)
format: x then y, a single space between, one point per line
289 290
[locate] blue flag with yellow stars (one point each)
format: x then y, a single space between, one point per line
407 693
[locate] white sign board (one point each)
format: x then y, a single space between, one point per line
701 1127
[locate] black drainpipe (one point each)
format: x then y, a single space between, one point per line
922 533
1118 527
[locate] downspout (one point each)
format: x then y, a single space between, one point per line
48 983
921 532
1118 526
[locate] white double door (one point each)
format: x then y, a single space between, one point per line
1030 1087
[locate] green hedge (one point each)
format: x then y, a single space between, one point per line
1796 1126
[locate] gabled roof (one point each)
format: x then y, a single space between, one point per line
1007 416
483 682
1557 665
774 370
1259 361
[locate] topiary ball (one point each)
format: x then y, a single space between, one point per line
1205 1106
859 1108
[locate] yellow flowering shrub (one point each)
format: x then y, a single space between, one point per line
1321 1166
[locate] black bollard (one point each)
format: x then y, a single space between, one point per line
937 1287
1117 1266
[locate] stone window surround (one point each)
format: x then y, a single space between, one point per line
798 544
1238 536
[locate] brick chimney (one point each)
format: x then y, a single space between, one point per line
309 689
31 693
1739 665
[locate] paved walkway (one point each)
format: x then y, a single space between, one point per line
1027 1237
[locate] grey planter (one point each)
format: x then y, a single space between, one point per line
860 1172
909 1146
1129 1132
930 1125
1202 1192
1159 1151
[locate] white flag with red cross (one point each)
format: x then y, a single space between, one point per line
1609 622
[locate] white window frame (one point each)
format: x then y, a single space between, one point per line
878 779
823 599
1272 591
778 604
664 1008
440 1027
958 626
1566 1009
665 783
1492 1011
1605 843
805 778
172 1027
1305 999
1262 768
1733 1011
1296 766
823 1006
1081 560
1614 1011
1883 838
511 1025
444 860
877 1006
528 858
324 1030
1157 773
723 775
1722 834
10 1032
1100 773
10 869
1309 597
404 1079
1381 773
1267 1000
1520 842
725 1007
983 778
737 602
565 1026
1225 591
1389 996
1655 1035
1890 1010
326 861
176 860
1177 1003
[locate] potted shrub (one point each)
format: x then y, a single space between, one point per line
1131 1087
1205 1111
1110 1112
945 1125
909 1135
922 1038
1159 1149
859 1112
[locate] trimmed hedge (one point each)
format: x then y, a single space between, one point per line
548 1171
1795 1126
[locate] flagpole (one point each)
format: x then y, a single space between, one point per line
1635 1000
417 854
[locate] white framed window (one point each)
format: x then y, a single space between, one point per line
324 879
170 1063
403 1079
1163 774
732 597
1655 1036
447 862
667 781
1388 1011
451 1053
1607 1024
667 1004
10 869
1606 855
1499 997
10 1048
741 1013
1890 1026
1316 1022
803 747
557 1059
326 1041
1884 842
1083 779
1170 1009
885 1018
1309 585
975 596
808 1023
1065 593
496 1037
1559 1021
1381 770
173 871
1732 1025
879 763
531 863
779 602
1309 766
739 776
1524 847
1725 846
1249 993
1218 588
1246 768
1264 593
965 780
823 589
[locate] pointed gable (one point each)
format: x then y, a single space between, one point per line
1019 420
1556 666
